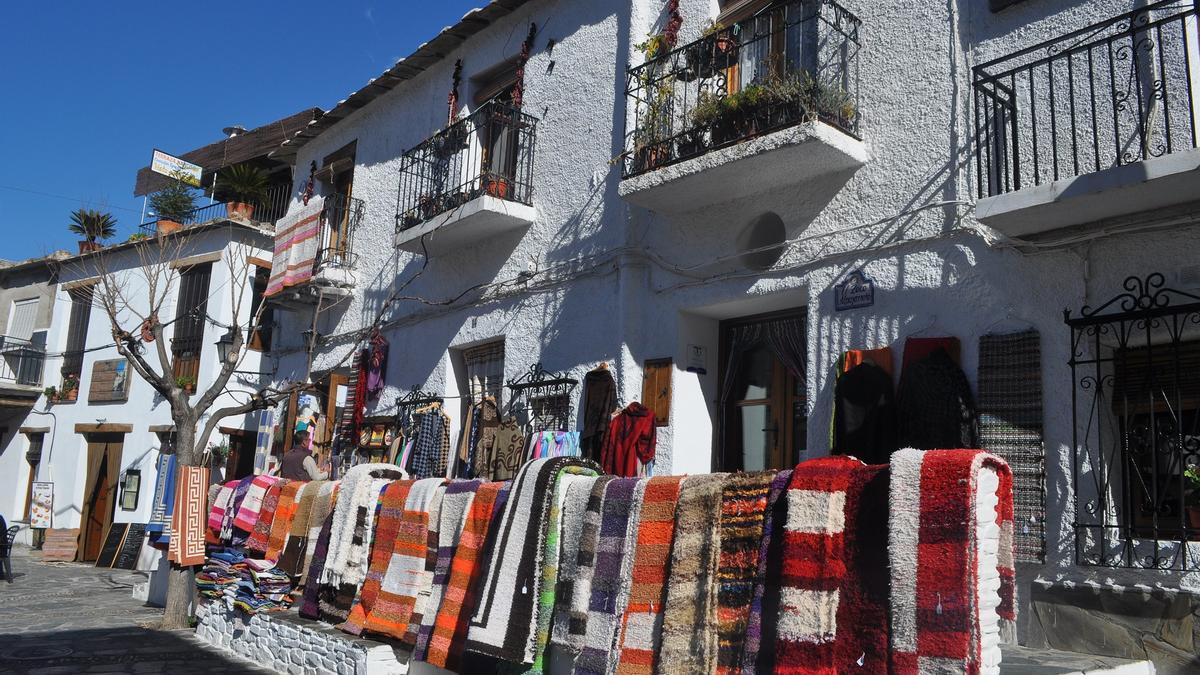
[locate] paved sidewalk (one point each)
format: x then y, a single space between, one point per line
74 618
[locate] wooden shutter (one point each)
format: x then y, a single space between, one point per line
656 389
20 322
77 327
191 313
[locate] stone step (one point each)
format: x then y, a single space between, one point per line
1028 661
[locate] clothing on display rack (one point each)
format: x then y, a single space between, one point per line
631 441
864 413
431 444
376 358
599 402
935 408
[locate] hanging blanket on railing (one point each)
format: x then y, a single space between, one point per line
353 523
764 606
297 243
158 531
952 588
311 606
285 513
833 593
387 525
407 575
251 507
606 605
455 503
578 560
240 490
220 506
689 632
466 574
257 542
506 619
642 620
743 509
189 517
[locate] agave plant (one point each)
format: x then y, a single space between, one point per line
93 225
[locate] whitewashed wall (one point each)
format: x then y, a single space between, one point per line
622 284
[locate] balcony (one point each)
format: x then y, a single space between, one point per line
324 264
21 363
766 104
262 212
471 181
1096 124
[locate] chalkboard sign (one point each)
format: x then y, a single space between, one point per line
112 544
127 556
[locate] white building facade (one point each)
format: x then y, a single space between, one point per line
105 428
971 168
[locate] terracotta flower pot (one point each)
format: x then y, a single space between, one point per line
239 210
1193 519
166 226
497 187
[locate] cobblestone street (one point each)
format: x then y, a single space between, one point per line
73 618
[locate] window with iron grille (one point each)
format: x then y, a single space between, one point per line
260 334
485 370
77 327
190 315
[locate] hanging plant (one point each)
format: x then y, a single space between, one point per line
518 92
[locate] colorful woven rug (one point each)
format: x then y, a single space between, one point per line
285 513
642 619
456 502
689 632
952 599
466 575
764 607
743 507
257 541
505 621
189 517
577 561
605 605
387 524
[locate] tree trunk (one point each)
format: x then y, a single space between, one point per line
181 586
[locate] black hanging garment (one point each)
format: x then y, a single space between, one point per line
865 414
935 409
599 402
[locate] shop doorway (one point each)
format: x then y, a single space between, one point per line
100 492
763 408
242 448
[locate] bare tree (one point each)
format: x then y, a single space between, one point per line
133 298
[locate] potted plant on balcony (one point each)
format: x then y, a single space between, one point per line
1192 474
70 388
429 205
241 186
51 394
173 204
650 141
496 186
92 225
186 383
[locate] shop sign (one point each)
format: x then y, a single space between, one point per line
169 165
697 359
42 508
855 292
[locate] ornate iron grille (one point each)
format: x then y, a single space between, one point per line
790 63
1135 368
1114 93
489 152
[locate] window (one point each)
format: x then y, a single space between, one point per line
191 313
260 333
764 424
22 318
485 371
337 173
77 328
34 456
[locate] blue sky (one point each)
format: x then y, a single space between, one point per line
90 88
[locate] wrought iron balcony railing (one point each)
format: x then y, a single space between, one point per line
1114 93
339 222
792 62
268 209
21 361
489 152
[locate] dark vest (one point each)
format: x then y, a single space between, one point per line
292 467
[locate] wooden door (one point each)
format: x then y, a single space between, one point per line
100 492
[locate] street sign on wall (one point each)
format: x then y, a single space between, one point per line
169 165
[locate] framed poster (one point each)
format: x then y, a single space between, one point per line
41 509
110 382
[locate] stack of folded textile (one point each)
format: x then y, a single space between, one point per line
218 573
248 584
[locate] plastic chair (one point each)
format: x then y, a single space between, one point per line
6 552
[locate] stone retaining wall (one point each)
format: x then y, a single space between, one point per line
287 643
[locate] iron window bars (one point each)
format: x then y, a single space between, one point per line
790 63
1113 93
489 152
546 398
339 221
1135 400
